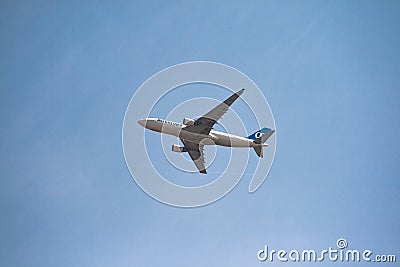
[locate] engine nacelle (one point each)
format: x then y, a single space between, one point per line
188 122
177 148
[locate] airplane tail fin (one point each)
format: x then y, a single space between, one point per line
261 135
259 139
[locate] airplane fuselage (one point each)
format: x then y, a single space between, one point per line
213 138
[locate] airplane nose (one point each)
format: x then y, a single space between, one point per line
142 122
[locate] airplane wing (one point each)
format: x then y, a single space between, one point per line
204 124
196 152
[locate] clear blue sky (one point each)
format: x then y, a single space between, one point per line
329 69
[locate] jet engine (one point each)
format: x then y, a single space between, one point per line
180 149
188 122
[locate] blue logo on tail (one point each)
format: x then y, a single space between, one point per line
259 133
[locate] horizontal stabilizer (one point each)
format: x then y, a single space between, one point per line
259 139
259 150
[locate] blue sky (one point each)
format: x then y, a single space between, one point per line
328 69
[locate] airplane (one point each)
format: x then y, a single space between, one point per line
194 134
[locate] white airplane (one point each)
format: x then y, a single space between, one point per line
194 134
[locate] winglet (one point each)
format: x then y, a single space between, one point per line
240 92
